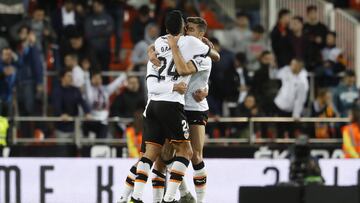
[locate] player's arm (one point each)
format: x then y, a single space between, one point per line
182 67
156 87
213 54
153 56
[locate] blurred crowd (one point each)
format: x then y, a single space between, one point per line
260 73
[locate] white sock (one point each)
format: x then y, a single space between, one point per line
183 188
158 182
142 171
129 184
200 181
177 173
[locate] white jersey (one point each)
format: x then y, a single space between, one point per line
199 80
190 47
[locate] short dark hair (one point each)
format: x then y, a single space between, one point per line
24 26
332 33
283 12
144 10
200 22
299 18
264 53
241 58
311 8
242 14
258 29
173 22
94 72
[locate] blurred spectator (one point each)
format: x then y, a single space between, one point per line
323 107
351 135
354 4
98 29
161 11
3 43
280 39
139 54
8 69
78 74
313 28
239 34
130 100
41 28
298 41
237 82
116 10
315 33
78 46
189 8
29 74
139 24
97 96
216 80
65 17
333 63
247 109
330 52
11 13
292 95
254 47
264 88
66 100
345 94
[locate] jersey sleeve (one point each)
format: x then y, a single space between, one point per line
201 63
194 47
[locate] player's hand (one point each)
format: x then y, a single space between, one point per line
172 40
208 42
180 88
153 58
200 94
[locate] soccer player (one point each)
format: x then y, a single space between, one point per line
164 113
196 108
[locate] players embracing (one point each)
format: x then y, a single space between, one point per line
184 64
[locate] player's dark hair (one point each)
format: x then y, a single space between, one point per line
173 22
283 12
311 8
200 22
